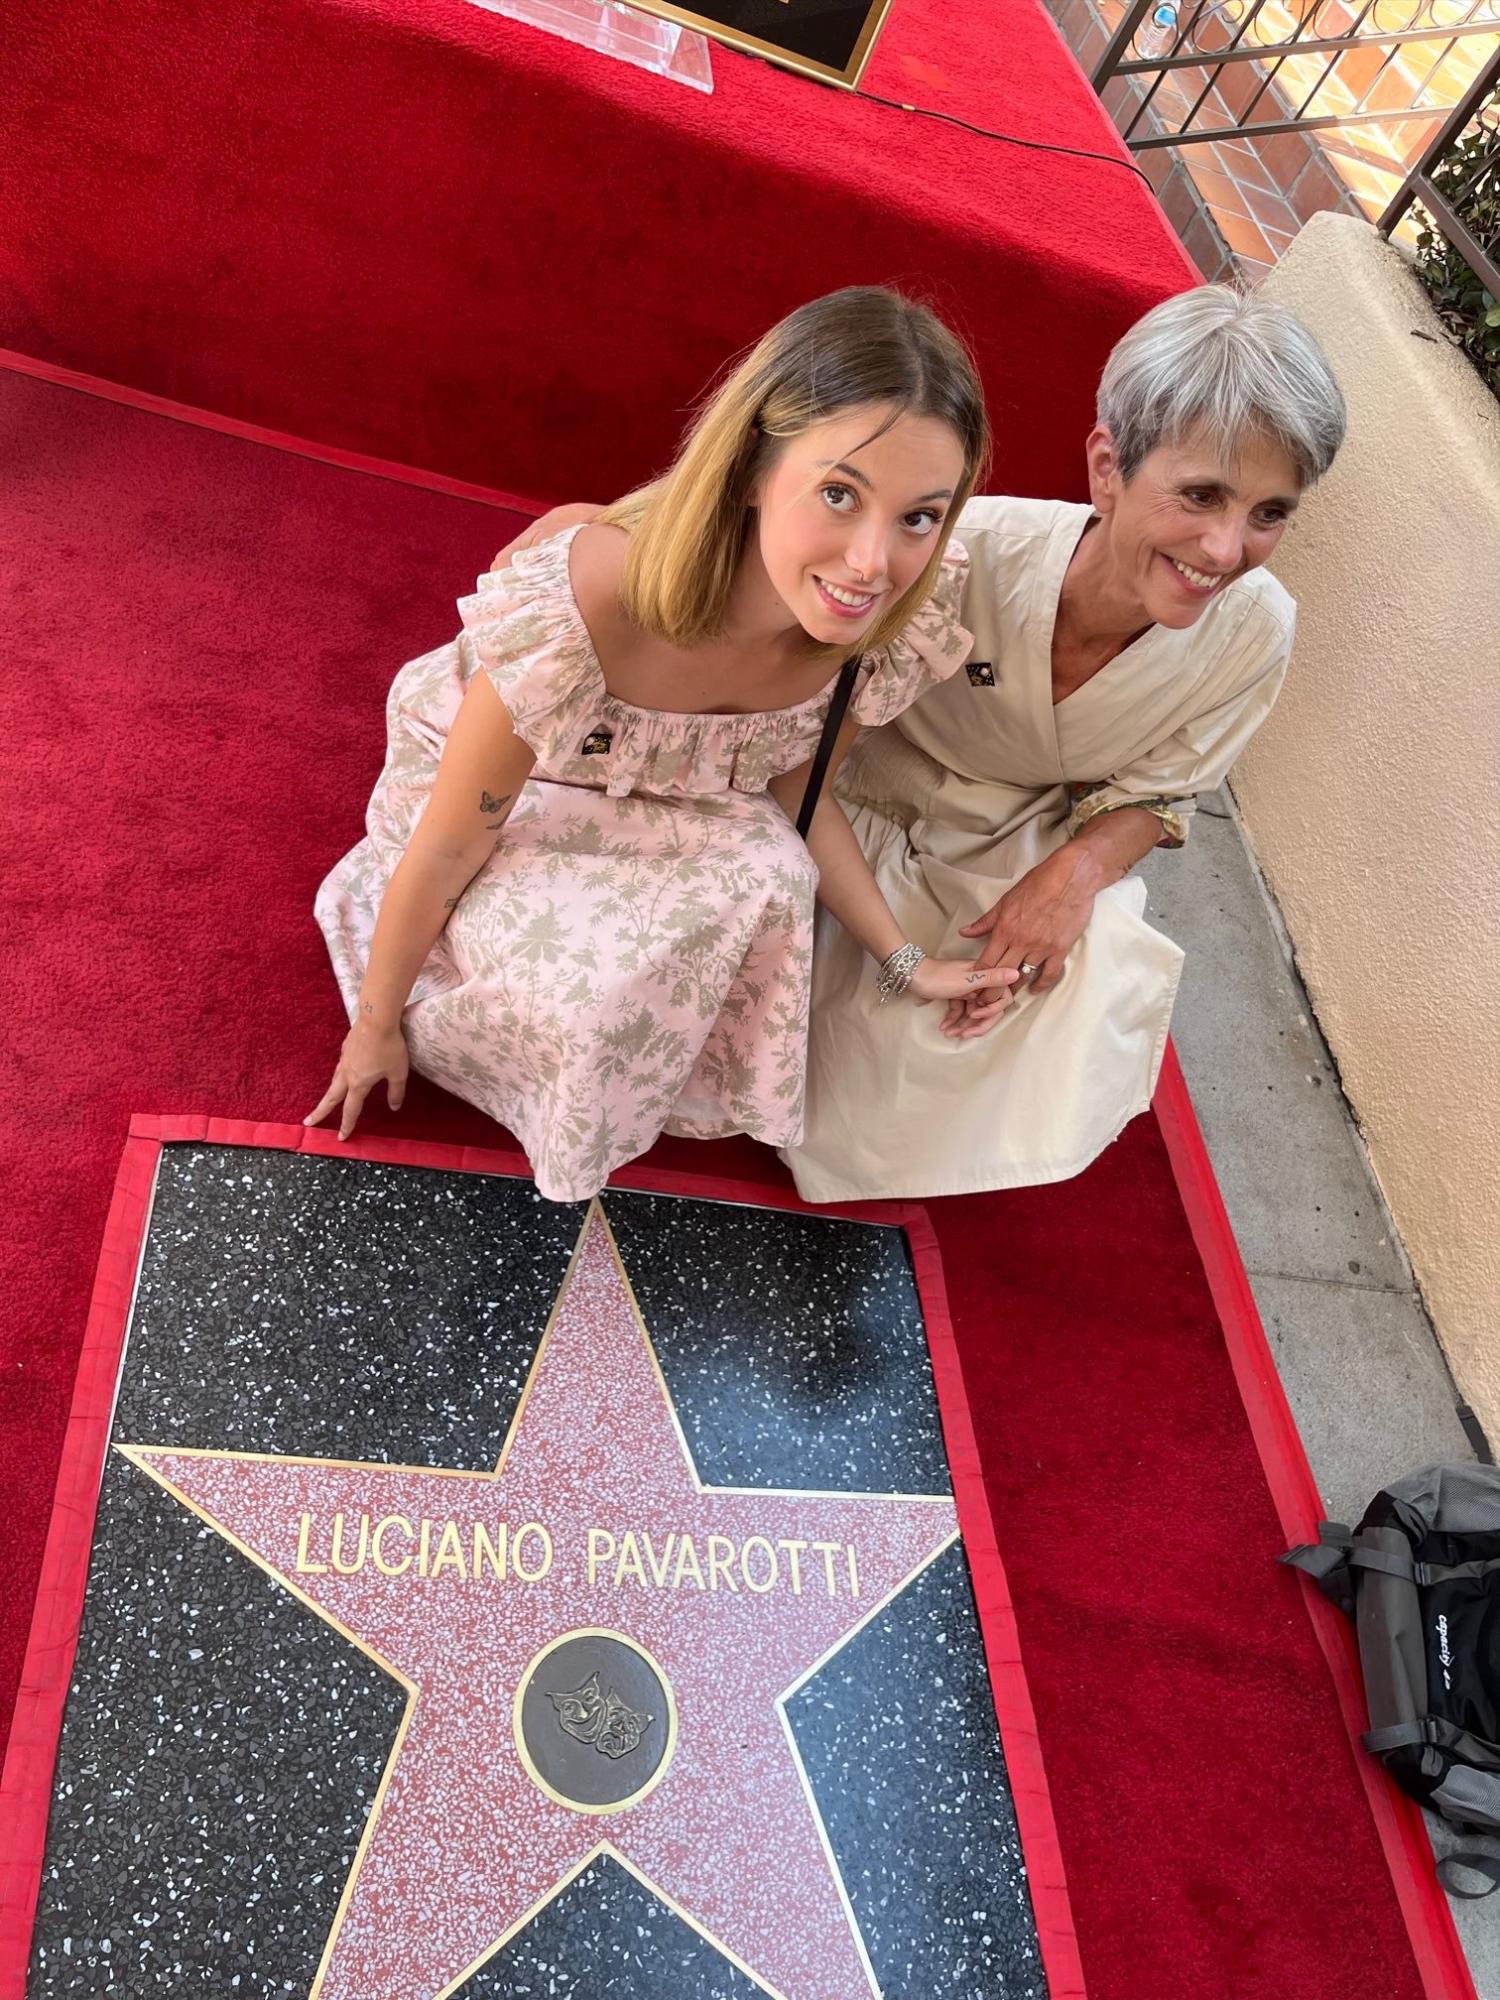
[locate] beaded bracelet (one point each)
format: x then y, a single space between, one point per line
897 972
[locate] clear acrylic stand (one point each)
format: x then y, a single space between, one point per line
646 40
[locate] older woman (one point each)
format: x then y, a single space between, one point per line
1125 652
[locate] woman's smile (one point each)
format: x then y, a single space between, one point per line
1197 583
844 601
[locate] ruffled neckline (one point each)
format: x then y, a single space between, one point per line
545 566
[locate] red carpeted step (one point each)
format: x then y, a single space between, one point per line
195 641
413 228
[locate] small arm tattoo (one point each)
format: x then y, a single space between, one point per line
491 805
451 904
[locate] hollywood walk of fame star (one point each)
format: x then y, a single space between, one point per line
594 1522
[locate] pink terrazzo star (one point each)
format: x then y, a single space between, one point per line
463 1846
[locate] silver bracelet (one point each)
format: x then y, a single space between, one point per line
897 972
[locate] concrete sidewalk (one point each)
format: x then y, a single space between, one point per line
1367 1382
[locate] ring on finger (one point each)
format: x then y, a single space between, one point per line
1026 970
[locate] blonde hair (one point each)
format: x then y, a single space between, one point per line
861 346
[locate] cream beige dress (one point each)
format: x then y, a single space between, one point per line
957 799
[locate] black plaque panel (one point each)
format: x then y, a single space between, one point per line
827 38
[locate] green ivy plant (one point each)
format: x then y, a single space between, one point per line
1468 177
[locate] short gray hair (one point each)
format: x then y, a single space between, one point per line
1230 363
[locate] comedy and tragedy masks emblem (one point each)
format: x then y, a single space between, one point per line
600 1718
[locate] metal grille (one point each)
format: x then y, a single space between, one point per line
1241 68
1457 179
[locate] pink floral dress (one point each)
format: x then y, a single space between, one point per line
636 954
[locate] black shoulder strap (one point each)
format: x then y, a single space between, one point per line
1434 1729
832 724
1473 1861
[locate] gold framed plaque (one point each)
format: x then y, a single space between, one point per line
829 39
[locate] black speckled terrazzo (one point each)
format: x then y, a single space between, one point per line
800 1390
221 1748
607 1938
338 1308
898 1736
223 1743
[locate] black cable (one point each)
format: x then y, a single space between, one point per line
1009 139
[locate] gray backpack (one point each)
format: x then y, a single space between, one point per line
1420 1576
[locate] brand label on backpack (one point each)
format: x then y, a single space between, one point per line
1444 1652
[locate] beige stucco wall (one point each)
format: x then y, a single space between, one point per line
1372 796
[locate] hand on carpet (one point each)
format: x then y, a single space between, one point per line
370 1055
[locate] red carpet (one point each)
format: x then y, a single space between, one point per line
196 637
370 222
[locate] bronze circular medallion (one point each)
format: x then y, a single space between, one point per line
595 1721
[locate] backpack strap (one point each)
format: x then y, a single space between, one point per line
1472 1861
1399 1736
1426 1573
1326 1561
1432 1729
1387 1565
1411 1571
1337 1551
1322 1557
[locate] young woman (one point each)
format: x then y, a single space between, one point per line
581 903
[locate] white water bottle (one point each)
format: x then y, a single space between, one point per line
1158 32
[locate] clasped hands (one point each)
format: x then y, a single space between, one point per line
1031 929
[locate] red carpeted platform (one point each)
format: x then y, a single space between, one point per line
413 228
195 639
